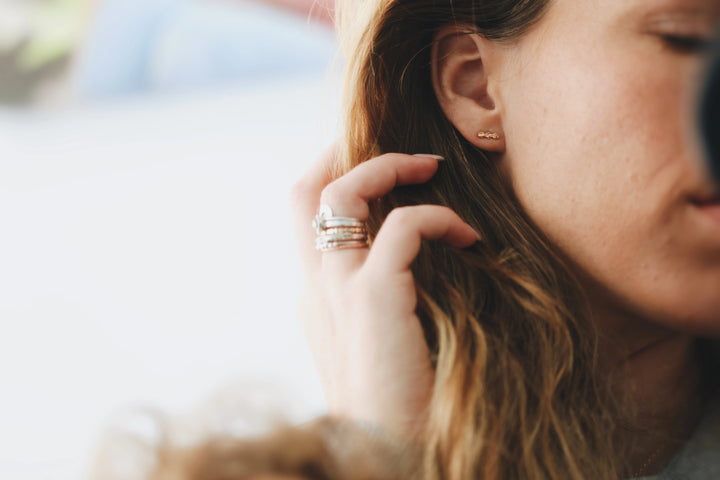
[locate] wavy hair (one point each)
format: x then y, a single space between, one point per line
516 393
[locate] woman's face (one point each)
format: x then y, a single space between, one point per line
598 119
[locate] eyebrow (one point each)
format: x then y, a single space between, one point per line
662 12
692 9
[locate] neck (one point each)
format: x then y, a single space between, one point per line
656 372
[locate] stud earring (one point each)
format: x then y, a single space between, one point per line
489 135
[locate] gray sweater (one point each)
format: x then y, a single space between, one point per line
699 459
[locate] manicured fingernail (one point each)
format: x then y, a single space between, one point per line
430 155
477 235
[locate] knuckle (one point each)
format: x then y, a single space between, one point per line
446 211
386 157
331 192
400 217
387 160
439 213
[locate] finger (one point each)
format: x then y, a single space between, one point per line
399 239
348 196
305 198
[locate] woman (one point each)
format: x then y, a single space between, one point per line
561 328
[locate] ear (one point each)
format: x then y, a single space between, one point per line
462 75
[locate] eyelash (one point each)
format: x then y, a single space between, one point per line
685 44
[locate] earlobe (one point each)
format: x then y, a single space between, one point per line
462 73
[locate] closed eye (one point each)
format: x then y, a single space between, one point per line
686 44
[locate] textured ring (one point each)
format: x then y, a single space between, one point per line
337 222
342 236
325 242
330 245
342 230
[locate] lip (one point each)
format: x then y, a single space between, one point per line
709 207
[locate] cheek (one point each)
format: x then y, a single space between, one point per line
580 174
598 159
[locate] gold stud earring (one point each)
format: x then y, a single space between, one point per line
489 135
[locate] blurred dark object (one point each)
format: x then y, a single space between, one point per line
19 86
38 39
710 111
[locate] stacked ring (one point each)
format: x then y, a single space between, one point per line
338 233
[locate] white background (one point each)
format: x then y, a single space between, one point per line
147 259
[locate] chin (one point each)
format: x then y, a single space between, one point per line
698 316
694 311
685 297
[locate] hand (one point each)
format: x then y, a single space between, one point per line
359 305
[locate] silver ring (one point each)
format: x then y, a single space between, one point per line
338 233
322 223
325 219
342 237
323 242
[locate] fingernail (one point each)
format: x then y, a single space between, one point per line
477 235
430 155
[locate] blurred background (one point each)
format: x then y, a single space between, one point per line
147 148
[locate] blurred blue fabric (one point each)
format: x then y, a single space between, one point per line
142 45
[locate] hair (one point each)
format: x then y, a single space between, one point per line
516 391
325 449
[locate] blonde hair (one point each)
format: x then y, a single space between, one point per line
516 393
326 449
